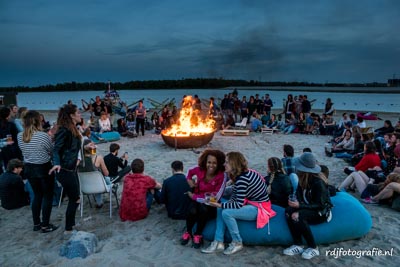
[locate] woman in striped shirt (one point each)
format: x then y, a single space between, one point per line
37 148
249 201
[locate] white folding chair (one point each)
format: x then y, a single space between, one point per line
93 183
242 124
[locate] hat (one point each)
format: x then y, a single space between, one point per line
306 163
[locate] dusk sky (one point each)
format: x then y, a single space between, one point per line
48 42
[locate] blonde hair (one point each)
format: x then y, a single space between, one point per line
237 162
31 122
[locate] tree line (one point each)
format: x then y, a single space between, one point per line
195 83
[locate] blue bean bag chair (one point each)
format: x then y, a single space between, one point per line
107 137
350 220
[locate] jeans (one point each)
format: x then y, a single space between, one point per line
139 122
42 184
226 218
343 155
99 197
28 188
70 182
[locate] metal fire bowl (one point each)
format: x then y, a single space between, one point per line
187 141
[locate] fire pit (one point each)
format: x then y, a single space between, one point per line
191 130
193 141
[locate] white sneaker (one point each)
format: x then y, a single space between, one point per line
310 253
293 250
214 247
233 248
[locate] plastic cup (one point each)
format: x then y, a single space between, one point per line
93 151
292 198
9 137
207 197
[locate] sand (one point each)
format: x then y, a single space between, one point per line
154 241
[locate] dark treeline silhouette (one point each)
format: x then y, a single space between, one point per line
174 84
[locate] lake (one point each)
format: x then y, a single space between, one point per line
374 102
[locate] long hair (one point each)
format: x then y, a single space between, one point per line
31 122
219 155
306 177
64 119
237 162
275 166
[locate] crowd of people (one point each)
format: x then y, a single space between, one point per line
36 156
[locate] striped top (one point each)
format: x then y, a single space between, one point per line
249 185
39 150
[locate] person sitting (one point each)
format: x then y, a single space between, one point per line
256 123
272 123
173 192
265 118
359 180
249 198
387 128
370 159
130 122
311 206
45 124
123 129
301 123
386 190
94 162
13 194
278 182
328 125
112 162
209 178
290 125
338 139
104 123
346 145
136 198
361 123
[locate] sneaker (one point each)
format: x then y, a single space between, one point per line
37 227
233 248
49 228
185 238
369 200
197 241
310 253
293 250
214 247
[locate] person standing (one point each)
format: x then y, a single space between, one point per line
140 117
37 148
268 105
67 149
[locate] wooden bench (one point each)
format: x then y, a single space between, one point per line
235 132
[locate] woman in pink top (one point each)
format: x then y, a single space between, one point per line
207 177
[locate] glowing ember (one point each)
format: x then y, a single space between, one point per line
190 122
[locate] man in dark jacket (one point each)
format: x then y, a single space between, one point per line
112 162
12 187
173 193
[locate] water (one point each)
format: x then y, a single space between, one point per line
373 102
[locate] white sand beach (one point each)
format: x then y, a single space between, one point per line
154 241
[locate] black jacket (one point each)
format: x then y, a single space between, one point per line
12 193
66 149
281 188
317 196
174 197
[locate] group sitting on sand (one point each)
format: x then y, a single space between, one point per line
221 186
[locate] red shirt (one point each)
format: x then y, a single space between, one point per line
368 161
133 202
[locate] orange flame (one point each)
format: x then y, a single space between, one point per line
190 122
